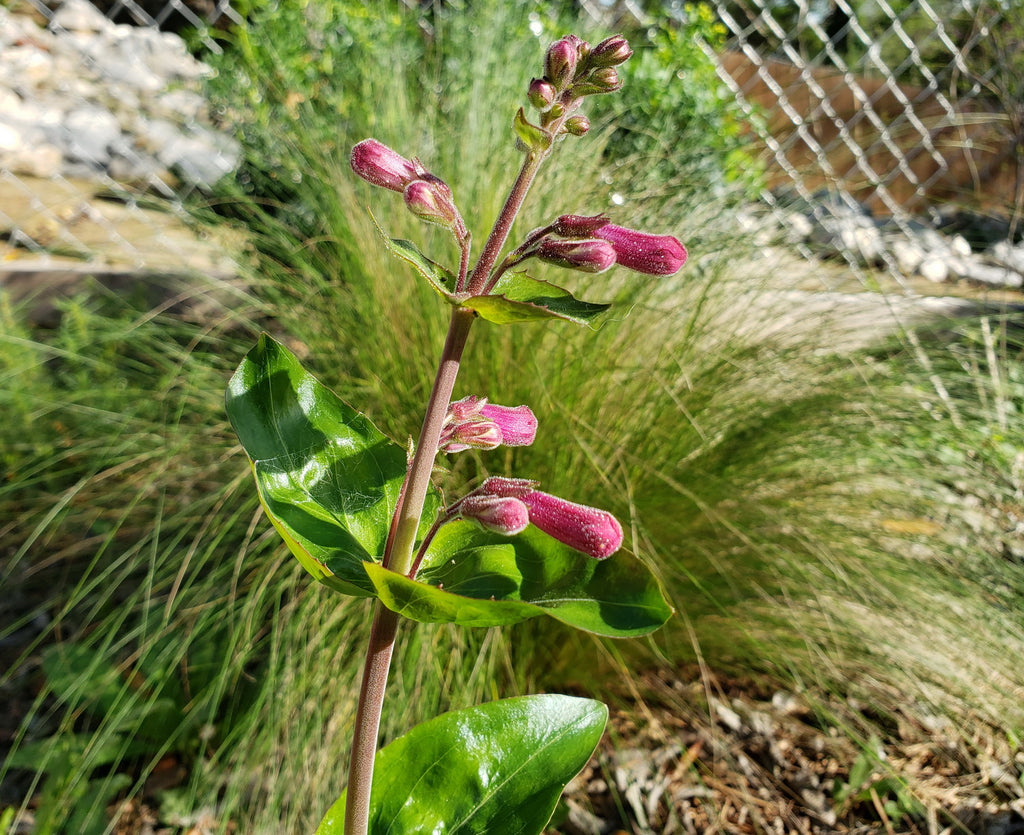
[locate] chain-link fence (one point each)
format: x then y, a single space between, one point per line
104 134
874 117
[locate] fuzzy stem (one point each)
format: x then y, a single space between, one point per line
398 557
503 225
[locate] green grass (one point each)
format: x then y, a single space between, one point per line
810 516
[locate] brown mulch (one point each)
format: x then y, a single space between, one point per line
730 756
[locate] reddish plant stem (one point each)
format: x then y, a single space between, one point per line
398 557
503 225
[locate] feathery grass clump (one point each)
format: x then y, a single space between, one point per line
842 522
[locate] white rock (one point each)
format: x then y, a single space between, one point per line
1007 255
89 134
934 269
79 16
10 138
909 255
959 245
42 160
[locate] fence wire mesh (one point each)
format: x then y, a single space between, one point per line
99 104
884 104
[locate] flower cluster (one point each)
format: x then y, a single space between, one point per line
473 423
574 69
428 197
592 244
508 505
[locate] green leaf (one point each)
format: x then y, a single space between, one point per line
519 298
442 280
477 578
327 478
533 138
498 769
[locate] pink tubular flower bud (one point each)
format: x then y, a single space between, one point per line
473 423
593 532
430 199
610 52
577 125
578 226
502 514
541 94
378 164
498 485
643 252
589 256
560 61
474 434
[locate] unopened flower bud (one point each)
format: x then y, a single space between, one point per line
478 434
610 52
518 424
473 423
431 200
498 485
541 94
594 532
378 164
577 125
606 78
643 252
590 256
560 61
578 226
504 515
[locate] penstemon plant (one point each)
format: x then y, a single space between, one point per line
362 516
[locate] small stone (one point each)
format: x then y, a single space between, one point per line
79 16
933 269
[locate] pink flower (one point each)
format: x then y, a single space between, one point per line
610 52
578 226
561 59
378 164
642 251
473 423
590 256
501 514
518 424
593 532
430 199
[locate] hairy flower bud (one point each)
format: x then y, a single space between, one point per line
498 485
378 164
473 423
541 94
610 52
605 78
594 532
560 61
577 125
578 226
431 200
643 252
502 514
518 424
589 256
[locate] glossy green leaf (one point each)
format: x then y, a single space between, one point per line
532 137
519 298
498 769
477 578
327 478
441 279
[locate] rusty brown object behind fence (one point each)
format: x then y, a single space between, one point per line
888 145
